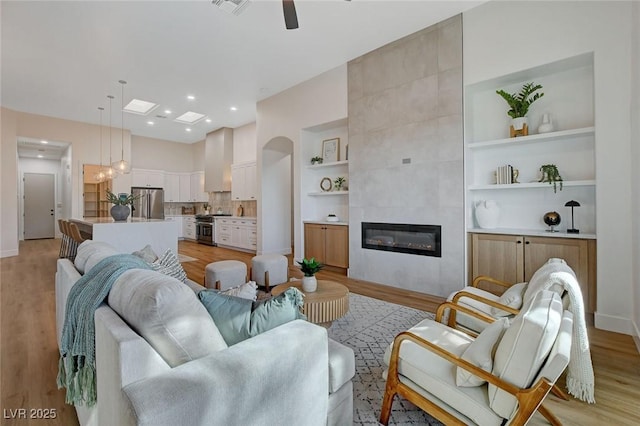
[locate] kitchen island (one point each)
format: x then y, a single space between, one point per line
133 234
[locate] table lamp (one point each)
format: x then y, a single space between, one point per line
572 204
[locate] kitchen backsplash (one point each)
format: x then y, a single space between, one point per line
217 200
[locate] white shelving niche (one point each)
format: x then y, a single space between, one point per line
568 98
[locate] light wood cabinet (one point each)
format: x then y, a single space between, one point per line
329 244
515 258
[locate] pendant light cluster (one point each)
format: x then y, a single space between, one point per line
113 168
100 176
121 167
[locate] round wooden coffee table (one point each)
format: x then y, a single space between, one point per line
328 303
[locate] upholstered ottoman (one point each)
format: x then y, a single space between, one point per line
269 270
225 274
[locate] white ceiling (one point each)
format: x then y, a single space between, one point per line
62 59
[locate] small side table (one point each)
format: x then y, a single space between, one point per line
328 303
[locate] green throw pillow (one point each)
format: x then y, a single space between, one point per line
239 319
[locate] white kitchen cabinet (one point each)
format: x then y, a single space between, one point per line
171 187
179 224
198 193
189 227
244 181
147 178
236 232
185 187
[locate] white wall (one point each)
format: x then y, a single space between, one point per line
321 99
635 155
561 30
9 184
158 154
244 143
35 165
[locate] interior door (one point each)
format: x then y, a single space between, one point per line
39 206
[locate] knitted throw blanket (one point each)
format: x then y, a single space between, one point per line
580 377
77 365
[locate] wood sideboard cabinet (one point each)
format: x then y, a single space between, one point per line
515 258
329 244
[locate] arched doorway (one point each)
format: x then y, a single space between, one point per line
277 195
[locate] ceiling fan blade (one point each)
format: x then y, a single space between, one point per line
290 15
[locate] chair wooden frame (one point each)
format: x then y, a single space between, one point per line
529 399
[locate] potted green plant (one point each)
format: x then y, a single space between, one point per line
309 267
316 159
551 174
120 210
519 104
339 183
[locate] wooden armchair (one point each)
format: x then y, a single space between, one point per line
423 363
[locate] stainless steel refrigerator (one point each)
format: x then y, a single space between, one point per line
149 203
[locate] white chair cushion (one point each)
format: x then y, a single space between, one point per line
438 376
524 348
468 321
90 253
512 298
480 353
167 314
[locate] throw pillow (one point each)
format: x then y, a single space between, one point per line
512 298
480 353
239 319
245 291
147 254
169 264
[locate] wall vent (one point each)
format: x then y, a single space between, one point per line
235 7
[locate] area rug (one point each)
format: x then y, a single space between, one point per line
184 258
368 328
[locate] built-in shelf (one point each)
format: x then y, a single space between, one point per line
317 194
533 185
531 233
537 138
332 164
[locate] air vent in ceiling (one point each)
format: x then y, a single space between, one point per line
235 7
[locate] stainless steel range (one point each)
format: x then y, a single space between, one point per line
205 229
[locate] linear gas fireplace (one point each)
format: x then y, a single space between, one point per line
423 240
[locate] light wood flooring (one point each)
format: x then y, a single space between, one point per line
29 355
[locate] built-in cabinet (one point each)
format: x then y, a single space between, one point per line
197 193
236 232
189 227
244 181
147 178
95 193
178 187
515 258
329 244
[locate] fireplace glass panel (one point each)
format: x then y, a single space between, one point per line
402 238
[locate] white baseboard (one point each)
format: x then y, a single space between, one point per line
613 323
9 253
636 336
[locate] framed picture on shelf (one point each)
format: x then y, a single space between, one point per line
331 150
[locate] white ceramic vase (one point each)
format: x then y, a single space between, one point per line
487 214
518 123
309 284
546 124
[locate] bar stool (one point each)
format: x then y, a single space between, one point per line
269 270
225 274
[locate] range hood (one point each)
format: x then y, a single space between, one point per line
218 157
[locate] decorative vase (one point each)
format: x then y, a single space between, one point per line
552 219
309 284
487 214
119 212
546 125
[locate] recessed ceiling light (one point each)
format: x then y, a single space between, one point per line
190 117
136 106
150 123
188 129
233 108
208 120
43 141
191 97
40 156
167 111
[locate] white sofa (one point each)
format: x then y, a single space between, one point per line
292 374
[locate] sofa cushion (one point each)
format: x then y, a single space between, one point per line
239 319
90 253
245 291
167 314
512 298
146 253
342 365
480 353
169 264
524 348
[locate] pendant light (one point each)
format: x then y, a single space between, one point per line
122 167
108 171
100 176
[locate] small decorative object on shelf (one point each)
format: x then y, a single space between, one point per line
487 214
546 124
552 219
572 204
551 174
325 184
309 267
339 183
331 150
316 160
519 104
332 218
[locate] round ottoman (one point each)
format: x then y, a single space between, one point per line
225 274
269 270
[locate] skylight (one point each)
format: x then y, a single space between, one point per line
136 106
190 117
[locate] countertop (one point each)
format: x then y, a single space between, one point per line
99 220
236 217
326 222
532 233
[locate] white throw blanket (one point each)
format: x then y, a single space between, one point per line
557 275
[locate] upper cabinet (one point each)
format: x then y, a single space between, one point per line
218 156
197 192
147 178
569 144
243 181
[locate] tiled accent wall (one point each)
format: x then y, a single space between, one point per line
406 155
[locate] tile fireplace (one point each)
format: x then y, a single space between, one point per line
422 240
